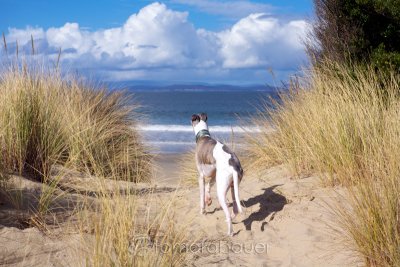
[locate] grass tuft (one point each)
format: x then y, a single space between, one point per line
47 120
340 123
343 123
60 130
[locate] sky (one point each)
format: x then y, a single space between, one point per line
174 41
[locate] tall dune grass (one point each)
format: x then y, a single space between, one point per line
187 168
343 122
46 119
128 231
339 121
50 125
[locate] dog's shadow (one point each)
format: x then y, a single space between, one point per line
270 202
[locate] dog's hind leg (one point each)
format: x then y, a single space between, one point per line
234 204
222 188
236 190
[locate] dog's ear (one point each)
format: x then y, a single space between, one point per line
203 117
195 117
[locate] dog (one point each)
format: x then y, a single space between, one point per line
217 161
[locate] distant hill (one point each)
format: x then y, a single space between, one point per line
200 87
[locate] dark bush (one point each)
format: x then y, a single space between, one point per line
366 31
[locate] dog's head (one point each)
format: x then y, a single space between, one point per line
199 122
196 118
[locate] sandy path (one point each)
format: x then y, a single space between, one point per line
288 217
285 223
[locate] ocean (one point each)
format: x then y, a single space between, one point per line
166 124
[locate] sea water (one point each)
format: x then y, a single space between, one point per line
166 124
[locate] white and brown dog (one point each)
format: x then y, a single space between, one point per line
216 161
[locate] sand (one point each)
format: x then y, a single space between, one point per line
286 222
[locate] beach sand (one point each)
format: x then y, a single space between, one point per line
288 217
285 222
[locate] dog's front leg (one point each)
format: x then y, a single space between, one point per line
202 193
208 199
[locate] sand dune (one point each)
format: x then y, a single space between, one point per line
285 222
289 216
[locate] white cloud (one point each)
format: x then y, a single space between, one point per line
259 40
69 36
158 38
24 35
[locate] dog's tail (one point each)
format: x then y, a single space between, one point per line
236 177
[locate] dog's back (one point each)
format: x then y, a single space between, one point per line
208 150
204 151
234 161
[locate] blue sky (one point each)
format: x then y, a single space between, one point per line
212 41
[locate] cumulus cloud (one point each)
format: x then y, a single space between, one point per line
24 35
70 36
259 40
157 38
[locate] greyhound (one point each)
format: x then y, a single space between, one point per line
217 161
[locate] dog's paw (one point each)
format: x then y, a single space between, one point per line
208 200
202 211
233 215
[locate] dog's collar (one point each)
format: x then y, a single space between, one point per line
202 133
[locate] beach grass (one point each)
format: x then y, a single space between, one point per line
128 231
338 121
50 121
46 119
343 123
187 168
